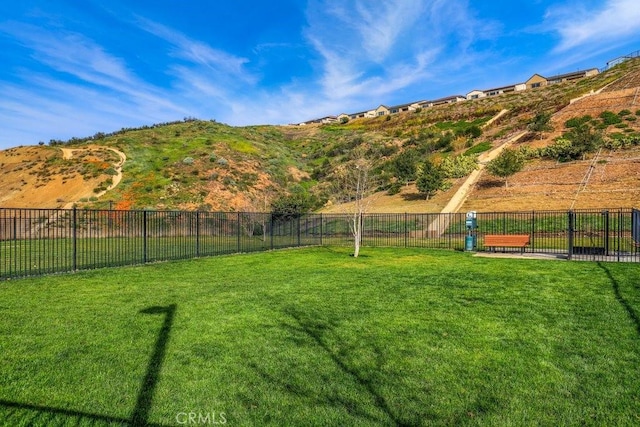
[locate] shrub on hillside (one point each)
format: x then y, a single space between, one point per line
574 145
610 118
577 121
619 140
506 164
430 179
458 166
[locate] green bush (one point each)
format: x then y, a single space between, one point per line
618 140
458 166
394 188
577 121
430 179
527 152
506 164
560 150
574 145
610 118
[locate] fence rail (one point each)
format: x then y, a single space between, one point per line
43 241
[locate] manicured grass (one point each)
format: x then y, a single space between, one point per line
316 337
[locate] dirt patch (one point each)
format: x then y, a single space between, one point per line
47 177
610 180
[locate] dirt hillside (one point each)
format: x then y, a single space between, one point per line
50 177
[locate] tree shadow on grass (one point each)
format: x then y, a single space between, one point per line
631 312
317 331
44 415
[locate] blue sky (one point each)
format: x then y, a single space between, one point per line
77 67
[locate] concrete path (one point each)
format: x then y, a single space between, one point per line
461 195
441 223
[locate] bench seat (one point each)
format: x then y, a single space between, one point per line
506 241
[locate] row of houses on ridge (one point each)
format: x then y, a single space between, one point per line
535 81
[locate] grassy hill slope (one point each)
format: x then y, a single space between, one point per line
195 164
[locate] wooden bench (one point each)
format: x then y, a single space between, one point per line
506 241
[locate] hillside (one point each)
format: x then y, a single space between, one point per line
195 164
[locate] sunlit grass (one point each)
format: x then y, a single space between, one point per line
316 337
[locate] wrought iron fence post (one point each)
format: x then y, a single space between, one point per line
570 230
605 214
619 239
74 235
144 236
271 229
533 231
198 234
406 231
238 234
321 229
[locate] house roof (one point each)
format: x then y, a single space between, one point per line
448 98
513 86
567 75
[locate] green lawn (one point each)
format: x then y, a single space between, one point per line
314 337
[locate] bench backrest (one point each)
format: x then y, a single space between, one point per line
506 239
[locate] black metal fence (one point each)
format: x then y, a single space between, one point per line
44 241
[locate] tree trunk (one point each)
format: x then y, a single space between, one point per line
357 234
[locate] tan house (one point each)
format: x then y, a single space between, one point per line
476 94
382 110
536 81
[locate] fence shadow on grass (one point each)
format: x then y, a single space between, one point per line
631 312
150 381
43 415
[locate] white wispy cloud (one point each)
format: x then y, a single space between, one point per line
89 89
88 62
582 27
222 64
70 53
374 49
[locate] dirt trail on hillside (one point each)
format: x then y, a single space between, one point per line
68 153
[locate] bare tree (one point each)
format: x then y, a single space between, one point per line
354 184
255 213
